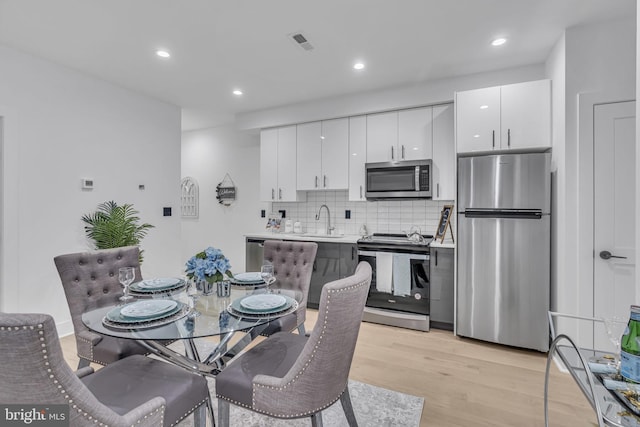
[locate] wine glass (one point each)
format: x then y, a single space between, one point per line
615 328
266 273
126 275
193 293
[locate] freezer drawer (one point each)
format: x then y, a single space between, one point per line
504 280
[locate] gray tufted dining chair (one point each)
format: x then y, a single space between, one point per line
134 391
90 281
292 267
295 376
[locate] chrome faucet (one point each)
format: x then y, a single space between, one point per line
329 227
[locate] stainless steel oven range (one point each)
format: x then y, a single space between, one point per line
399 292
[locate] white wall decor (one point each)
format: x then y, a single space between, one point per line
189 197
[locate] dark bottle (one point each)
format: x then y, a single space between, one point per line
630 347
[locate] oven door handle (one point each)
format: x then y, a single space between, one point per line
423 257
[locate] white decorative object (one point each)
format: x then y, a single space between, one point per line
189 197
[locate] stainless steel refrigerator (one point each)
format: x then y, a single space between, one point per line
504 241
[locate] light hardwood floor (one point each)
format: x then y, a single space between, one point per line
464 382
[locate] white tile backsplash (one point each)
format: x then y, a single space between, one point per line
383 216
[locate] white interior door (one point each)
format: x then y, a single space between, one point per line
614 214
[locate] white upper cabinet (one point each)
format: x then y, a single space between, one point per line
415 134
335 154
357 157
323 155
526 114
516 116
309 153
382 137
268 164
444 153
478 119
278 164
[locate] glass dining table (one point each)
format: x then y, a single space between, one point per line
218 314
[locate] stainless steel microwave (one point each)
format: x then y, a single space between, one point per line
410 179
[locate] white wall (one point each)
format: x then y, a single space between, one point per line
433 92
61 126
555 69
207 155
599 66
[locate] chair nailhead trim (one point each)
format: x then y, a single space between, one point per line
63 391
297 375
189 412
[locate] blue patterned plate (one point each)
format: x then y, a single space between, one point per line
237 306
252 278
115 315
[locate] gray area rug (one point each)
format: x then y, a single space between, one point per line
373 406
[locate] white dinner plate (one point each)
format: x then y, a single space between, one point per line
159 283
252 277
263 302
148 308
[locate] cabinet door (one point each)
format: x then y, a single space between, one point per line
382 137
478 120
348 259
268 164
286 164
444 154
326 268
309 151
335 154
357 156
415 140
526 115
441 290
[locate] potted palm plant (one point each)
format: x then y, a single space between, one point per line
114 226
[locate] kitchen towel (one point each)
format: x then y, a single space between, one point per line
401 274
384 271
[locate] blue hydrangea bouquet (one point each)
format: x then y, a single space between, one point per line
210 265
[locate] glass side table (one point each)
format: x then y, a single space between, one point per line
609 410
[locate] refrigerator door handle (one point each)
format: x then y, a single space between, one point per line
517 214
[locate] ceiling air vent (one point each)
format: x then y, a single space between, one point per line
301 41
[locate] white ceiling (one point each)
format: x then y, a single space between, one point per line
218 46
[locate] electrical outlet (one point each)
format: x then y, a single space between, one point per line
166 211
283 213
263 213
347 214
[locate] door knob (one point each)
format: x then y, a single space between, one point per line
607 255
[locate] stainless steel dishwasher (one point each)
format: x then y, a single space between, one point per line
254 254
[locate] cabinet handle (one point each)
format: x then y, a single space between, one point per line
324 181
392 154
438 189
273 194
361 191
316 181
493 139
508 137
279 193
436 258
353 253
403 152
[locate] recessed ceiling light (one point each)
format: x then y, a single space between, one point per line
237 92
484 107
358 66
476 136
163 53
499 42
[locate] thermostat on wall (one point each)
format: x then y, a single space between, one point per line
87 184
